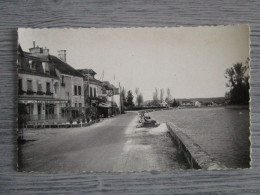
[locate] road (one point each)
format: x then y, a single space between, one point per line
112 145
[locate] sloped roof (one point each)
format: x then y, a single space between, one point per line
87 71
36 61
64 67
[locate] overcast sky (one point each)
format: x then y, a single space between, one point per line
191 61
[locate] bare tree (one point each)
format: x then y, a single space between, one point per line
161 95
139 99
137 91
168 99
155 97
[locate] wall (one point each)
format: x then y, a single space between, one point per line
77 98
43 81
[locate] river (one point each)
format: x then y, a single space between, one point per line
223 132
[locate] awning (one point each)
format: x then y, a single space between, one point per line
102 105
73 108
42 101
102 95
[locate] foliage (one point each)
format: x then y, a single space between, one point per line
136 91
123 97
175 103
168 99
140 99
129 99
161 95
155 98
238 82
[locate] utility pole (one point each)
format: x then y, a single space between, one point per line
120 100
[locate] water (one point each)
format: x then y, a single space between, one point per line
222 132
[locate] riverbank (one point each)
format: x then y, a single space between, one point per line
222 132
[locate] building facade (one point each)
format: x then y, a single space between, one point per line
72 88
49 90
101 98
38 90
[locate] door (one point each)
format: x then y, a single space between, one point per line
39 111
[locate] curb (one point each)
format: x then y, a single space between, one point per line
196 157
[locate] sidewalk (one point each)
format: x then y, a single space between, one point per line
33 134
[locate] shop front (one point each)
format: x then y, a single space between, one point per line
40 111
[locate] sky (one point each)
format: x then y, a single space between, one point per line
190 61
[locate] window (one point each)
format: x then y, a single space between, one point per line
32 65
19 62
75 90
62 80
45 66
80 105
75 104
48 87
29 85
20 84
90 92
39 86
79 90
95 92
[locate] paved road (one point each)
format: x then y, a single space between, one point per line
113 145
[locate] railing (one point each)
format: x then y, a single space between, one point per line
44 120
43 117
48 93
30 92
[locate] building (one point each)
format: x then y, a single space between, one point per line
164 104
39 98
101 98
50 91
197 104
186 103
113 96
71 87
94 96
92 87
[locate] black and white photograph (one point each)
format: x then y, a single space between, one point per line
133 99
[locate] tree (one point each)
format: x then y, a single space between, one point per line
123 97
155 97
129 98
238 83
161 95
169 96
136 91
139 99
175 103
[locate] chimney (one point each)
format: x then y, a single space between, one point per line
62 55
33 44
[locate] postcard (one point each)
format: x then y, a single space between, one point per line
133 99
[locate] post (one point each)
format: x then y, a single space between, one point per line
120 99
